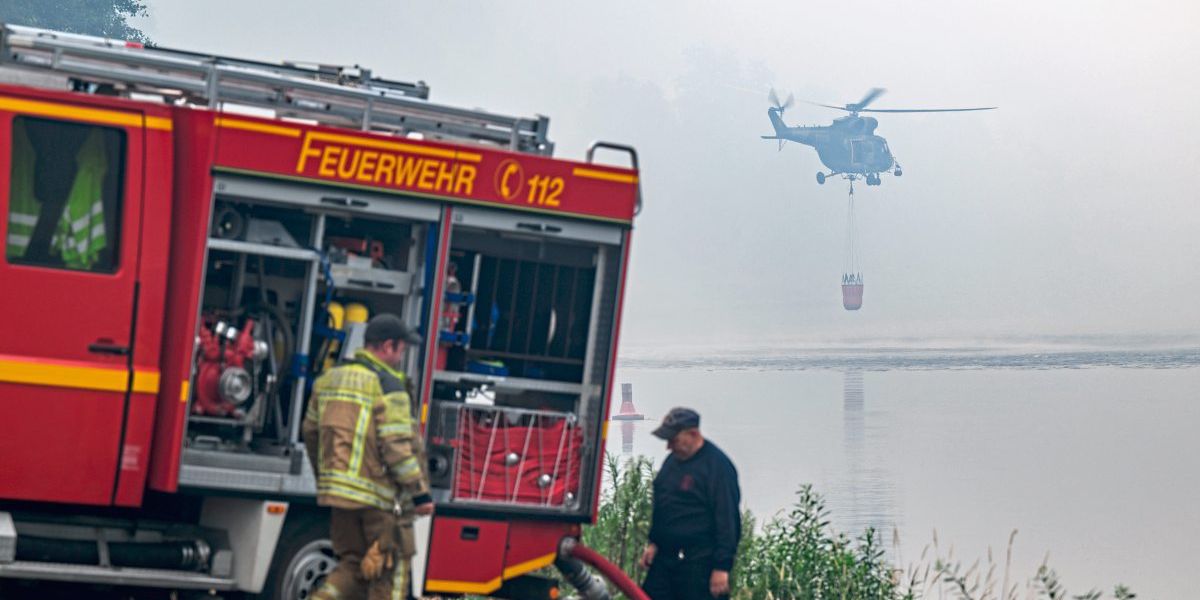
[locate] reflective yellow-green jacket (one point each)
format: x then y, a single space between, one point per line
80 235
360 434
23 206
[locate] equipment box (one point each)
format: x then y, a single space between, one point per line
524 346
288 286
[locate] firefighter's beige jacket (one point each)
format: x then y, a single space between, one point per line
360 434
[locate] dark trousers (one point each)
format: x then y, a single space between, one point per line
670 578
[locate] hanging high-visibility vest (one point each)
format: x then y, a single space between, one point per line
80 235
23 206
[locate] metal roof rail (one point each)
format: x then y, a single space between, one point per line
328 94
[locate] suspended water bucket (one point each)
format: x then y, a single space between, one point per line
852 296
852 278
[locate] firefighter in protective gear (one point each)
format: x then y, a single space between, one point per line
360 433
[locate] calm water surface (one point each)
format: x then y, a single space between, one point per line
1095 460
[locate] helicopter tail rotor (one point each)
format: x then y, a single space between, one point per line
782 106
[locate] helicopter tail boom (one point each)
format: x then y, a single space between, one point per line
773 113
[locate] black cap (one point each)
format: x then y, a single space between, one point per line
677 420
386 326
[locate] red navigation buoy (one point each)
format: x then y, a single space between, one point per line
627 412
627 416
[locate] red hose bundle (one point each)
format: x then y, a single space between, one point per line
534 461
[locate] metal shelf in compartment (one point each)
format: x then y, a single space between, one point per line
370 279
511 383
263 249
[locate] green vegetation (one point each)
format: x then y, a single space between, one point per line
108 18
798 555
624 518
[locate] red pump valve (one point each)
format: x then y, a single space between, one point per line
224 383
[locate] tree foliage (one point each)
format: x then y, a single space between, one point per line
108 18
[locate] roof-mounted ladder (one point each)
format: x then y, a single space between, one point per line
332 95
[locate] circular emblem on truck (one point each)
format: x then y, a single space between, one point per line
510 179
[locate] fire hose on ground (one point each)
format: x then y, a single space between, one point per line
572 555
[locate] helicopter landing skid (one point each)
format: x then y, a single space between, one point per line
869 178
821 177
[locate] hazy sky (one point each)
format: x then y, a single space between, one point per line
1072 209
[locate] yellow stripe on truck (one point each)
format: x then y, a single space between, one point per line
145 382
56 374
257 127
82 113
485 587
604 175
461 587
529 565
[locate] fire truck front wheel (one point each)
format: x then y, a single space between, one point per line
303 557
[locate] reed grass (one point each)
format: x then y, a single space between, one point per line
797 555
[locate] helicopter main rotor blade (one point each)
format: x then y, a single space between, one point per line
872 94
842 108
925 110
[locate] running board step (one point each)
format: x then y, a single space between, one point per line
114 576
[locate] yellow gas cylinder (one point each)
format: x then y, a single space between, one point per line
342 317
356 313
337 315
337 318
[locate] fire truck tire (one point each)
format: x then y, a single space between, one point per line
303 557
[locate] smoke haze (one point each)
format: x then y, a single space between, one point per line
1071 210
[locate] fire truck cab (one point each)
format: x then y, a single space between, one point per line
192 239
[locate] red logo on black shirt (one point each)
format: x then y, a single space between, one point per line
685 484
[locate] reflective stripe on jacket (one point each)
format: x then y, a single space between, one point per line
23 206
360 434
80 235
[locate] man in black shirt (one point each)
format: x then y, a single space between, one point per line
695 527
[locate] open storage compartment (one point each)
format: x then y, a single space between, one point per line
292 274
524 341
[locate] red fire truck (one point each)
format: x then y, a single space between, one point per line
191 239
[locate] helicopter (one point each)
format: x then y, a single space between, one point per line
849 146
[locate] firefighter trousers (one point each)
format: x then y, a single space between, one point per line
352 533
